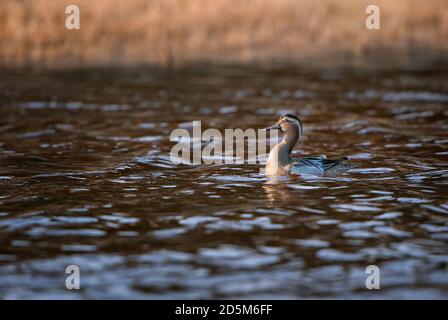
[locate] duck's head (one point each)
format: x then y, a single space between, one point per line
287 123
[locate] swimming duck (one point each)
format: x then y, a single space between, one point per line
280 163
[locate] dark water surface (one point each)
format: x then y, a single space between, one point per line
86 179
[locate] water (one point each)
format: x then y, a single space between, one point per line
86 179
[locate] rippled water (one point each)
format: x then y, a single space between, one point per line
86 179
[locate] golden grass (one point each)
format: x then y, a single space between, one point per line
167 32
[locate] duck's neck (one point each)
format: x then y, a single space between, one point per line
290 139
279 155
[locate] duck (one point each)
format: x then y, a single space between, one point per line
280 163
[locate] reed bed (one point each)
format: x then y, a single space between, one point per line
179 32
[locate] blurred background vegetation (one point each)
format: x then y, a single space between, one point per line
179 32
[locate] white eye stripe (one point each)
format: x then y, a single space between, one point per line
291 120
297 122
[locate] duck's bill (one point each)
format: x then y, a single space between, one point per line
274 127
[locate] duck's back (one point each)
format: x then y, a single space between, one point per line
320 166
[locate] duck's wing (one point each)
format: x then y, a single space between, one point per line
310 165
320 166
337 166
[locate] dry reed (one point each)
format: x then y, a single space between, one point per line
176 32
